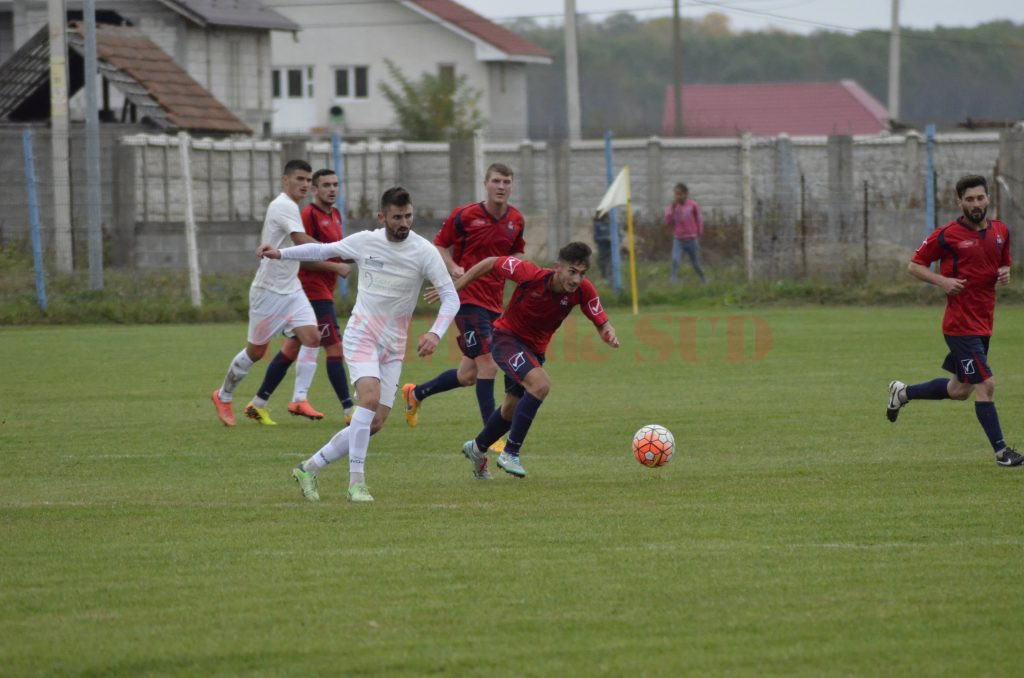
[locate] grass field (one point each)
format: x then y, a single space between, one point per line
796 532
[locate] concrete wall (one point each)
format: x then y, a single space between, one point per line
799 185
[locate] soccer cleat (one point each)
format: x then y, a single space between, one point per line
497 446
224 413
1009 457
897 399
348 416
412 405
478 459
307 483
359 493
302 408
259 414
510 464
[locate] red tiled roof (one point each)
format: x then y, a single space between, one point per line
819 108
187 104
485 29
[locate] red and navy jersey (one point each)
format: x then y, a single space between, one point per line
535 311
473 234
324 227
976 257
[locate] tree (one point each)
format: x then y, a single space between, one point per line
435 108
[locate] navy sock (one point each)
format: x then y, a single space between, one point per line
936 389
445 381
276 370
485 397
989 419
495 427
525 412
336 374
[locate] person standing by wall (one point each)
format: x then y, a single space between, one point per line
684 218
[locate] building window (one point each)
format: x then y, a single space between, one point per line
351 82
293 83
446 74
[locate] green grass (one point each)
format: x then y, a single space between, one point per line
796 532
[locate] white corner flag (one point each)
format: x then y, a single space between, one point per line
617 194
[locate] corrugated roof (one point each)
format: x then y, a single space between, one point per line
185 103
160 90
232 13
469 21
816 108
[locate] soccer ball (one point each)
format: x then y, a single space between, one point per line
654 445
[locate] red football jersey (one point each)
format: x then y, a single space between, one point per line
319 285
975 256
473 234
534 312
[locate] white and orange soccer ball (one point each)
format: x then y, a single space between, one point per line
654 445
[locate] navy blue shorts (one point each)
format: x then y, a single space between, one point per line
968 358
476 329
326 321
515 359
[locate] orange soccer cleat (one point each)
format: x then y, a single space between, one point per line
302 408
224 413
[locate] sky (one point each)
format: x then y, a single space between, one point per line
798 16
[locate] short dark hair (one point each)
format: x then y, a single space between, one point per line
970 181
321 173
575 253
498 168
396 196
682 187
293 166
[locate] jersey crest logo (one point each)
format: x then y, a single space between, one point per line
470 338
517 361
594 305
999 240
564 301
510 265
967 365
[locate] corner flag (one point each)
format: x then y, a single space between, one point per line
617 195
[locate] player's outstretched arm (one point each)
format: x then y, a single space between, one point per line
608 335
477 270
449 307
313 251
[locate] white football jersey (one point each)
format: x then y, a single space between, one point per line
391 275
282 220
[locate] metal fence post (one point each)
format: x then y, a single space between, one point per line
33 215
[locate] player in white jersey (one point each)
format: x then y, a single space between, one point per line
276 299
393 262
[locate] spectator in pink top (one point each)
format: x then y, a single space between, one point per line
684 218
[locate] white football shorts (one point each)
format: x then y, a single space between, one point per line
271 313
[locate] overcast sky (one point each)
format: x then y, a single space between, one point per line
801 16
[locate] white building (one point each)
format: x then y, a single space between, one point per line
337 59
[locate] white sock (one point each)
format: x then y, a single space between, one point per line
305 368
359 441
335 449
258 402
240 367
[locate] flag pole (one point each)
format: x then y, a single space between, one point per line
632 245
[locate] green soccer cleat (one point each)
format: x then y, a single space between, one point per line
510 464
359 493
259 414
307 483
